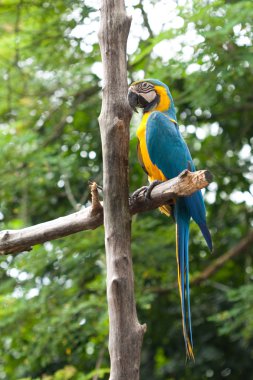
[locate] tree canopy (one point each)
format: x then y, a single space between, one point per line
53 311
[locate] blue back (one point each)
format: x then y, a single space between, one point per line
169 152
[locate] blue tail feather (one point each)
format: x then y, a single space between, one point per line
197 210
206 233
187 271
183 220
185 208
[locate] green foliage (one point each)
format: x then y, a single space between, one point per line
70 373
236 321
53 311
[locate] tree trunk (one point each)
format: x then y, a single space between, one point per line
126 334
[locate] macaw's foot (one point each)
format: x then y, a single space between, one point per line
146 190
151 187
137 192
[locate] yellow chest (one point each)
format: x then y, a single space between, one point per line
153 172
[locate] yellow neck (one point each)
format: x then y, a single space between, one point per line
164 102
142 127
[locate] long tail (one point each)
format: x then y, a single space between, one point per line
197 210
182 239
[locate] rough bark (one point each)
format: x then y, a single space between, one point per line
17 241
125 332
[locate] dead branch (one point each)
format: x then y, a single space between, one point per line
239 248
16 241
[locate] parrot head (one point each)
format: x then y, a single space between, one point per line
151 95
142 94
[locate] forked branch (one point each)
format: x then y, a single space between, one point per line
89 218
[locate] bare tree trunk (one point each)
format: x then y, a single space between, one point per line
126 334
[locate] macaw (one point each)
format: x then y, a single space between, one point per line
163 154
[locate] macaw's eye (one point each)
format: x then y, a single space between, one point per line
145 87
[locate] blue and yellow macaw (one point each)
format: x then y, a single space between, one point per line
163 154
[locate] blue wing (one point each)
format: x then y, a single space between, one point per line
169 152
166 148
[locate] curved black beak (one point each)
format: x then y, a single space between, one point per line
133 100
136 100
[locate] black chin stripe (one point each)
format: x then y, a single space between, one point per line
152 104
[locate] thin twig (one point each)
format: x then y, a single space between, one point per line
239 248
69 193
99 362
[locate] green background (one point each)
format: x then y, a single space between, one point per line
53 311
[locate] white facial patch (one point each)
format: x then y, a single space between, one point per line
148 96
